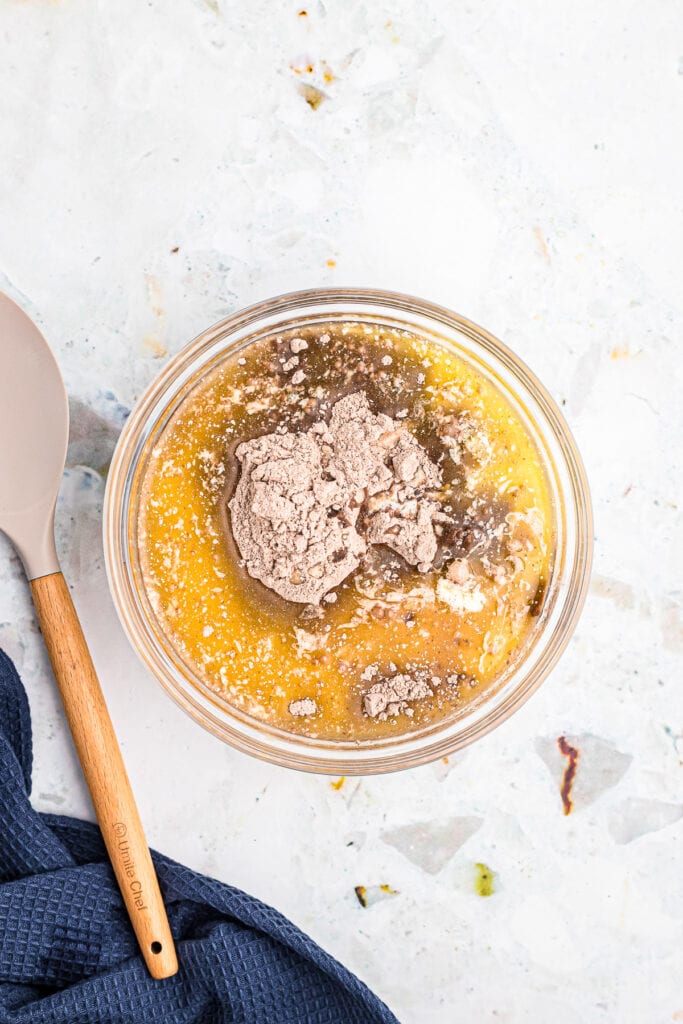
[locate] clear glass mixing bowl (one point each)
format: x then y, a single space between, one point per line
557 450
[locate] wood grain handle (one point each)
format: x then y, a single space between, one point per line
105 772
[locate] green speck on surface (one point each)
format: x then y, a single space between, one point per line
483 883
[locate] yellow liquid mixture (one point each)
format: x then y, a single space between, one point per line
460 624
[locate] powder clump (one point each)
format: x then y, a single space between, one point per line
295 511
303 708
391 696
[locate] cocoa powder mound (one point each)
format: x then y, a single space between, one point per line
295 510
391 696
303 708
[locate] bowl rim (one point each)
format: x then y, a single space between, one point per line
295 751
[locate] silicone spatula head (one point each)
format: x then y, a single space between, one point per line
34 431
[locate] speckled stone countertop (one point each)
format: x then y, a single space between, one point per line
163 165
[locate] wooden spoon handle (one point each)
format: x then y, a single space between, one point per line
105 772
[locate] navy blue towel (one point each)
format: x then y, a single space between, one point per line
68 954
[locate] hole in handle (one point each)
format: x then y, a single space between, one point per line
156 947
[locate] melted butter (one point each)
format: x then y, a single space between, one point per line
259 652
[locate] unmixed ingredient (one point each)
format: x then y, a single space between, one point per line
391 696
302 708
295 511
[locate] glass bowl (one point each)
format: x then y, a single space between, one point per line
570 501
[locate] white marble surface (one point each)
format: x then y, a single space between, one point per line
520 163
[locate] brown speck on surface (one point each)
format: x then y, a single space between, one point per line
572 753
176 248
542 244
338 783
313 96
303 14
360 892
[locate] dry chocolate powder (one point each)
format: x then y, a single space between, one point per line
390 696
295 511
303 708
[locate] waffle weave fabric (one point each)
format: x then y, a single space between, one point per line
68 954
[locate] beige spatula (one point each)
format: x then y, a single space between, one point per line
34 427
